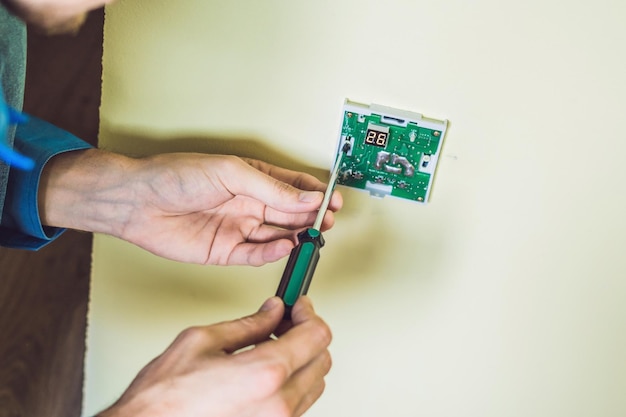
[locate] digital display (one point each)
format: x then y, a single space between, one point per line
376 138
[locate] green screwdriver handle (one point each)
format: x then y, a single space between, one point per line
300 268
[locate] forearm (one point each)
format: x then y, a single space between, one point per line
89 190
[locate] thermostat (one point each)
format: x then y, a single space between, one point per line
392 152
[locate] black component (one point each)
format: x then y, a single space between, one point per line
393 120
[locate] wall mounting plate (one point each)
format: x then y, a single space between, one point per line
392 152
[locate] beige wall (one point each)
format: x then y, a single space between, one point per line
505 296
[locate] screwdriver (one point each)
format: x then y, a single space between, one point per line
304 256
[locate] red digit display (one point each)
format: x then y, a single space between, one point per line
376 138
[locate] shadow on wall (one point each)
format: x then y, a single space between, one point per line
378 254
138 144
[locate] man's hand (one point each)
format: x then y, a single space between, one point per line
201 373
206 209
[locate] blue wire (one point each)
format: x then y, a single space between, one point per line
9 116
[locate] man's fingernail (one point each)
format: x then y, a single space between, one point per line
270 304
309 196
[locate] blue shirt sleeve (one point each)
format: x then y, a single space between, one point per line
20 226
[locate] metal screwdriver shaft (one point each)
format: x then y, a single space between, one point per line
328 194
304 256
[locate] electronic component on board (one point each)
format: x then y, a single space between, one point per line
392 152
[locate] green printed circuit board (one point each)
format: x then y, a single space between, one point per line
392 152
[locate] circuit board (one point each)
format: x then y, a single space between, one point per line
392 152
